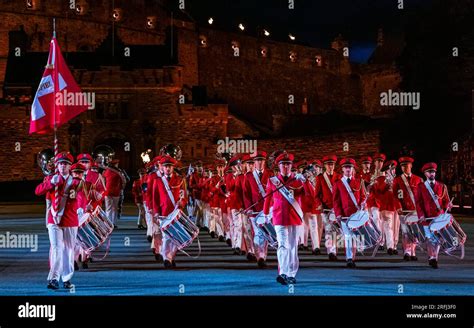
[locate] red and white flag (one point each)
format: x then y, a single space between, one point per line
47 111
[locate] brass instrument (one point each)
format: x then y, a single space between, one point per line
45 161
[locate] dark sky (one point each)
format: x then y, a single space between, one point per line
314 22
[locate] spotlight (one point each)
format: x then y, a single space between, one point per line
210 20
292 37
241 27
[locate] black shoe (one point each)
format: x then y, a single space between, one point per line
115 226
243 253
395 251
332 257
140 227
316 251
237 251
221 239
261 263
67 284
168 264
382 247
390 251
251 257
291 280
85 265
282 279
76 266
413 258
53 284
406 257
173 264
351 264
159 258
213 234
149 238
300 247
229 242
433 263
306 248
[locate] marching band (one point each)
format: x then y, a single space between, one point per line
252 202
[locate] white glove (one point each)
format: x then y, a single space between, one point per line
80 212
268 218
55 179
300 177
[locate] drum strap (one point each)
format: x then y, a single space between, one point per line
349 191
168 190
62 202
327 181
410 192
259 183
432 194
288 196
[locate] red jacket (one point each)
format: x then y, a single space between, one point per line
399 189
235 185
114 182
322 192
425 206
161 202
69 217
283 212
195 185
251 191
385 197
98 185
148 194
343 203
137 191
216 194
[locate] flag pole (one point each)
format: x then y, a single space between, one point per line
56 142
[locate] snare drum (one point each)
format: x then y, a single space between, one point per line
267 229
447 232
364 229
94 230
179 228
414 229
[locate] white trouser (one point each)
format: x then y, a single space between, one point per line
330 236
61 253
212 220
48 207
319 218
409 247
311 229
396 229
260 243
141 215
206 212
157 241
111 208
236 229
149 220
169 248
79 252
230 220
377 220
219 221
431 244
226 224
387 219
350 243
248 234
287 251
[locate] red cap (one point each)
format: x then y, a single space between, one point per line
389 164
156 159
64 157
285 158
219 162
84 157
329 159
247 158
380 157
405 159
429 167
317 162
234 160
366 159
78 167
167 160
301 164
260 155
347 162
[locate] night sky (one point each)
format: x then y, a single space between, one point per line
315 23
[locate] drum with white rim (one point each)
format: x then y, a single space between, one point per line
94 230
448 233
179 228
268 230
363 228
413 228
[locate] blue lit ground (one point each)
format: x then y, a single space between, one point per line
132 270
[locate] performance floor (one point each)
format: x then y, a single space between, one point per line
130 268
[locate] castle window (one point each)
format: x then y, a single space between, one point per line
81 7
117 14
202 41
263 52
293 56
151 22
318 60
32 4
